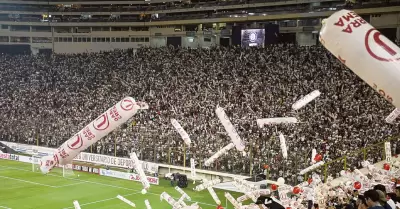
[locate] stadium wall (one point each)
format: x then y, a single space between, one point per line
391 20
156 33
123 162
94 47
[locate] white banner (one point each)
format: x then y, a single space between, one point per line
127 176
181 131
192 168
25 159
115 161
84 157
388 152
230 129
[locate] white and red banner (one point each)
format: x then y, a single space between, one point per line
4 156
94 131
350 38
127 176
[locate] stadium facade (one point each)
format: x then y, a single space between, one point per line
93 26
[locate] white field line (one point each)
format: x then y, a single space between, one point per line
30 182
4 207
104 200
107 185
67 185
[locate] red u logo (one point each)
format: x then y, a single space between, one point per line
377 39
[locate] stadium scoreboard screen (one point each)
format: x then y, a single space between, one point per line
253 37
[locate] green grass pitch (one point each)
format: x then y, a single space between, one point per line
20 188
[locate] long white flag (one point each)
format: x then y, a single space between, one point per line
239 144
181 131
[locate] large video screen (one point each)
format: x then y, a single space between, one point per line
253 37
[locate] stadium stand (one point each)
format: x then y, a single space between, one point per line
46 98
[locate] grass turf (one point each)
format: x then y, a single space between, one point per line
20 188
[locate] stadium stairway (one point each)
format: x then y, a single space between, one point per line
6 149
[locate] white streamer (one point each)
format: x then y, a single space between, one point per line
393 115
165 196
243 184
275 121
233 201
214 195
306 99
206 184
388 152
192 169
218 154
147 203
183 193
283 146
239 144
181 131
242 198
306 170
313 154
139 170
76 204
181 200
123 199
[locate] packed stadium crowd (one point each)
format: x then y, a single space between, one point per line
46 99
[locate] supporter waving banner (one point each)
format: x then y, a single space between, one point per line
239 144
97 129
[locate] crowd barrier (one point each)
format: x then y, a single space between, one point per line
84 168
373 153
125 163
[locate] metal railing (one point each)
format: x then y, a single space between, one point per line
166 153
373 154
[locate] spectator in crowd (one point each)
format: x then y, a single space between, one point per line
372 199
47 99
361 202
397 191
387 204
392 197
